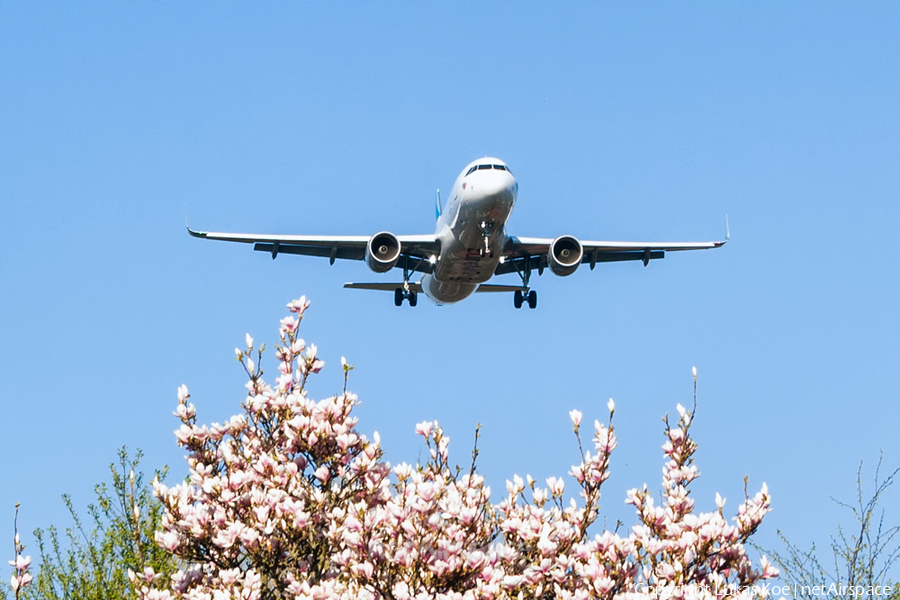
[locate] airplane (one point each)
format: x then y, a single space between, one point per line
469 246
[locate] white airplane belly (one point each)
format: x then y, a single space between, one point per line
458 264
463 258
446 292
475 211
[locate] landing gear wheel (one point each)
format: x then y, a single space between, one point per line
532 299
398 297
413 298
517 299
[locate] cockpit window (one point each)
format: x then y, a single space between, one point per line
487 167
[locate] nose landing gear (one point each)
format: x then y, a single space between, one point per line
486 229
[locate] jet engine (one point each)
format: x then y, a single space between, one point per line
564 255
382 252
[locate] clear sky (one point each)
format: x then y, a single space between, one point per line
638 121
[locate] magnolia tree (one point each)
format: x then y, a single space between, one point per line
289 500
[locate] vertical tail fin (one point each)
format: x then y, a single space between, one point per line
437 205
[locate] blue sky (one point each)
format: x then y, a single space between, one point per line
642 121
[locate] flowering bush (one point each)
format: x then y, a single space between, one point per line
290 500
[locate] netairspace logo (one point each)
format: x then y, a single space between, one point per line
765 590
858 591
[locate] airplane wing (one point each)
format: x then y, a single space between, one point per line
384 287
349 247
417 287
529 252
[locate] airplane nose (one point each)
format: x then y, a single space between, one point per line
497 183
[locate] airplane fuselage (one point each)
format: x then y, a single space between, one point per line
472 230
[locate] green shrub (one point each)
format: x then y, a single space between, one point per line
93 558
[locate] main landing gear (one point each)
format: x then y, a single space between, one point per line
405 292
525 295
400 295
529 296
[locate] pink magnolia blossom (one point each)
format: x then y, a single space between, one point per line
291 500
21 563
299 306
575 415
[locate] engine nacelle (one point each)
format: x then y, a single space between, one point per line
565 255
382 252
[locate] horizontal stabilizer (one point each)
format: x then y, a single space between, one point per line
489 287
384 287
